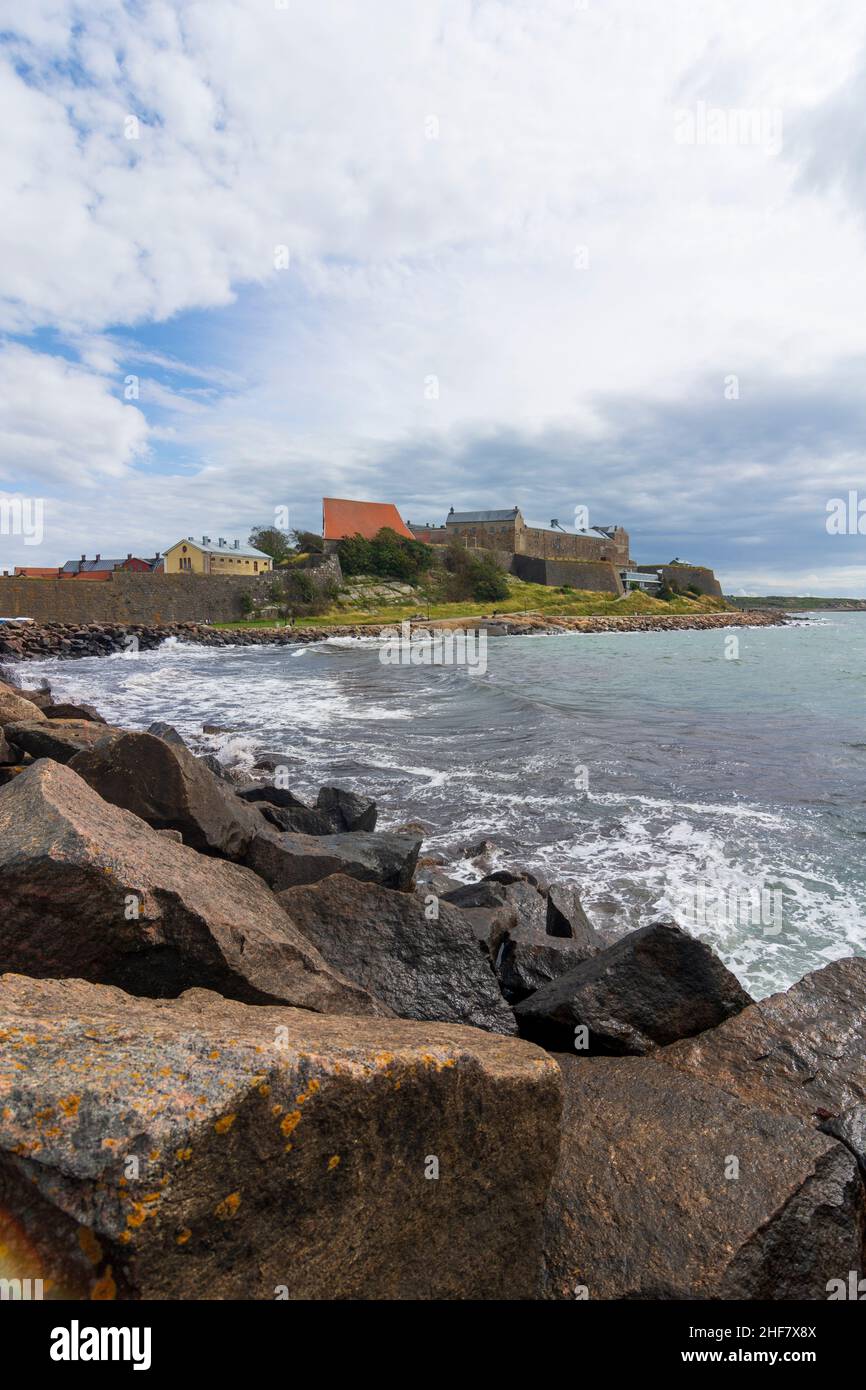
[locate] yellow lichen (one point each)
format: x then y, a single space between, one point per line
224 1124
183 1236
333 1162
105 1289
228 1207
290 1122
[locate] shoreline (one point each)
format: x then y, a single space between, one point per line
69 641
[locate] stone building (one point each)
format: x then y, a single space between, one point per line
189 557
507 531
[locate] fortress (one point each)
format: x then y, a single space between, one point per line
597 558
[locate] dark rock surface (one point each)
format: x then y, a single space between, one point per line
644 1204
421 967
653 987
195 1147
90 891
70 711
287 860
347 810
566 917
527 960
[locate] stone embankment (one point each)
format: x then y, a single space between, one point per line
32 641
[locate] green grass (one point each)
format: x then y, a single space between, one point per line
533 598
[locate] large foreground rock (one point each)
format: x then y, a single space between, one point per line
89 890
15 707
669 1188
420 967
171 789
653 987
288 860
196 1148
802 1051
59 739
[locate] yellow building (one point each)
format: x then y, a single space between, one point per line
194 557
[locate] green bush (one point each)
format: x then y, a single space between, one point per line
476 575
387 555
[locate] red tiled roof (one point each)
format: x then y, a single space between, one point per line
345 518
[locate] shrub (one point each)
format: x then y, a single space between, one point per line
387 555
476 575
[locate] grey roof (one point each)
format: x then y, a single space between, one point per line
463 517
89 566
246 550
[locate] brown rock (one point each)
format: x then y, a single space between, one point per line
644 1203
59 739
168 787
89 890
800 1051
15 707
74 711
156 1149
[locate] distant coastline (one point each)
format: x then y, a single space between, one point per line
38 641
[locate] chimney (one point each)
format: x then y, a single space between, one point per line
237 545
129 555
99 557
83 558
222 542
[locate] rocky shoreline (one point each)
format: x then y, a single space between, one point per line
257 1048
44 640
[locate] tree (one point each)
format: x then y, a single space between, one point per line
388 555
476 575
271 542
309 542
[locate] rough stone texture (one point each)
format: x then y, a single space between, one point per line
850 1128
566 917
802 1051
69 711
347 810
8 756
90 891
59 739
484 893
280 1153
287 860
641 1207
653 987
168 787
421 968
16 708
526 960
167 732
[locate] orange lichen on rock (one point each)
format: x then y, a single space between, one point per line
224 1124
228 1207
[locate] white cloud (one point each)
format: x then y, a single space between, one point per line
62 425
456 257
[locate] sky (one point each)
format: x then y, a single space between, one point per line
557 254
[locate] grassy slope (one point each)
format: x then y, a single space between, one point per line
537 598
